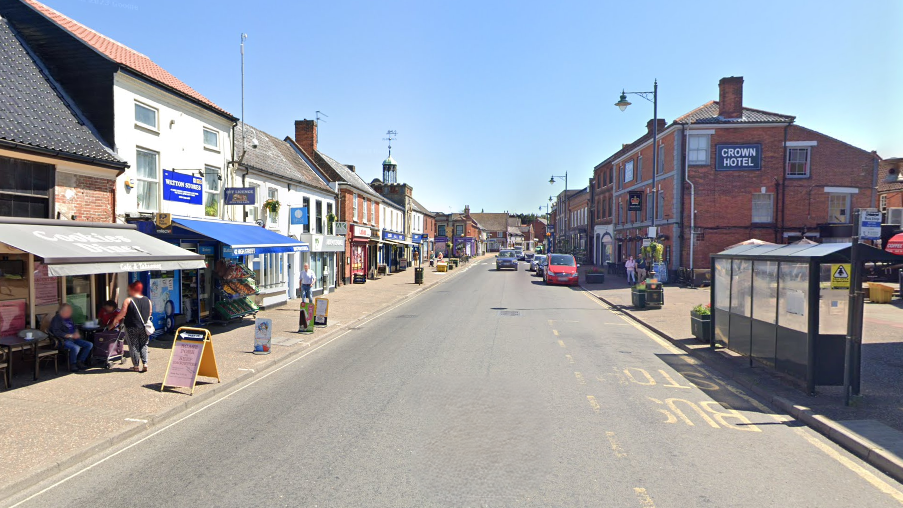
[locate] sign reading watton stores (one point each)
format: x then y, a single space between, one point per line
738 157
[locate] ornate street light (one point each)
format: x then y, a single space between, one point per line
623 102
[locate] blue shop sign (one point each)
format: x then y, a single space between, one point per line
206 250
182 188
299 215
738 157
388 235
240 196
417 238
441 239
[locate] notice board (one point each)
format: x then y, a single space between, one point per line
192 356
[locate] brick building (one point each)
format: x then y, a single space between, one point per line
539 232
578 233
602 212
459 234
496 226
727 173
890 190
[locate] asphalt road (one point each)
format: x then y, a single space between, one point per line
490 390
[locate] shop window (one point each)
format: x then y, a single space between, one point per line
273 218
628 171
698 149
319 207
25 188
145 116
211 139
798 162
838 208
763 208
148 180
211 188
78 295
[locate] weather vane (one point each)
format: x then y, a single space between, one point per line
391 136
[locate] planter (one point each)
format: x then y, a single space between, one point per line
638 298
595 278
701 326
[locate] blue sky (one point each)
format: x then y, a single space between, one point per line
491 97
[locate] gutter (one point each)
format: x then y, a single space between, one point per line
119 166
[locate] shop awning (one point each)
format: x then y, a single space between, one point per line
83 248
244 238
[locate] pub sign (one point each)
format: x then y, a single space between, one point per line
635 201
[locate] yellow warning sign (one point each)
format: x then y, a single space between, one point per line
840 276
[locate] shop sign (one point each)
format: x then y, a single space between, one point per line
397 237
163 221
840 276
738 157
417 238
182 188
441 239
192 356
322 311
241 196
361 232
299 215
230 252
206 250
870 225
635 201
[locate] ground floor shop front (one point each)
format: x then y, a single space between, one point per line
323 257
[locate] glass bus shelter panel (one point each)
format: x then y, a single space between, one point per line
741 306
830 345
722 288
764 318
791 348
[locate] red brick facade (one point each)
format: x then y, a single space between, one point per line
88 198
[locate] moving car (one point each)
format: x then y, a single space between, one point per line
562 269
520 253
528 257
506 259
541 262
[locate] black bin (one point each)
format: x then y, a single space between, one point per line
418 275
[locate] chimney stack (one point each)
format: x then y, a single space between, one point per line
466 209
661 125
351 167
730 97
306 135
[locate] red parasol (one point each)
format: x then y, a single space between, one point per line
895 244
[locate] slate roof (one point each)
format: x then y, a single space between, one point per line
708 113
345 174
515 231
420 208
275 156
492 221
123 55
35 114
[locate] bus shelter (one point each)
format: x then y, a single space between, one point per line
786 307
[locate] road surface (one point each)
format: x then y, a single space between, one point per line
490 390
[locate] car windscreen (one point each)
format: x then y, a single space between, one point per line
506 254
563 260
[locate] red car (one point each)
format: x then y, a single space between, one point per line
562 269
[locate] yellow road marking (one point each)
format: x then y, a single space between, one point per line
555 332
579 377
863 473
643 496
561 343
615 447
570 358
592 402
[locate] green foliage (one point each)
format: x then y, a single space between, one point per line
653 251
703 309
272 205
211 210
640 286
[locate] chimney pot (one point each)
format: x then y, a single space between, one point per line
306 135
730 97
661 125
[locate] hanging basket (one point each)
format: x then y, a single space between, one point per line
272 205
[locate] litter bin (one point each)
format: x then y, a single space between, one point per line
655 295
418 276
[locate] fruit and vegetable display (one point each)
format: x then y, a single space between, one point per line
230 270
229 309
243 287
235 284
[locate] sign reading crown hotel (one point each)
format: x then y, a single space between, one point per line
738 157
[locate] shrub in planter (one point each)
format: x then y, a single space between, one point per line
594 276
701 322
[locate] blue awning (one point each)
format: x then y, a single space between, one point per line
244 238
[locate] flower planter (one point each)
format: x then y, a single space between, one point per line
638 297
594 278
701 326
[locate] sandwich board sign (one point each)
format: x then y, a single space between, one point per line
263 336
322 311
305 318
840 276
192 356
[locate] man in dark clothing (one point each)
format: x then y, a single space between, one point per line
64 329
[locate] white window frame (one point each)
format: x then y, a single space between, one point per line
354 207
215 133
882 202
372 212
759 201
255 209
698 155
272 218
661 159
155 181
142 125
797 149
832 199
628 170
215 171
366 218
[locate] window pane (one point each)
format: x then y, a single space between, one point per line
210 138
147 195
147 165
211 179
145 115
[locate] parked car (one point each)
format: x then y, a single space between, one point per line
532 259
541 262
528 257
506 259
520 253
562 269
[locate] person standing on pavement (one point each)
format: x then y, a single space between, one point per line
63 328
630 265
641 269
136 311
307 281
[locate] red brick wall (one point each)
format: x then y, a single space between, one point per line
90 198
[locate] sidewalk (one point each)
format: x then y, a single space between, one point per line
57 421
874 420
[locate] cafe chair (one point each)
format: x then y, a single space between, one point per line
48 348
4 368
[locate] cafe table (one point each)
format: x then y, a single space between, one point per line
14 343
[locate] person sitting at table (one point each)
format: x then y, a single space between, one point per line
63 328
107 313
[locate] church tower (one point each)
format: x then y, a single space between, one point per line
390 167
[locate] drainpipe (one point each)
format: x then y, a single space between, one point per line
692 193
784 178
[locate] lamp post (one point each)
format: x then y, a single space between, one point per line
567 211
622 104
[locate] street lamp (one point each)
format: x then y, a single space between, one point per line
567 211
622 105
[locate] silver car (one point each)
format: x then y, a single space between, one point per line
506 259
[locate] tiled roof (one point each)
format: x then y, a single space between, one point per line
708 113
492 221
34 113
420 208
276 156
123 55
514 231
347 176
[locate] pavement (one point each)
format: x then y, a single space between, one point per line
871 427
62 419
490 390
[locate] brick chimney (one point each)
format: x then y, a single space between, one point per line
661 125
306 135
466 209
349 166
730 97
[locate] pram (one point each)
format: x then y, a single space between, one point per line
108 346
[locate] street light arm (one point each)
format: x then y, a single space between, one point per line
645 95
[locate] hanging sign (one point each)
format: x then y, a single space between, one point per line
263 335
192 356
163 221
321 312
298 215
182 188
635 201
840 276
241 196
738 157
870 225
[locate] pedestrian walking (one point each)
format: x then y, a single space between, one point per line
135 314
63 328
641 269
307 281
630 265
